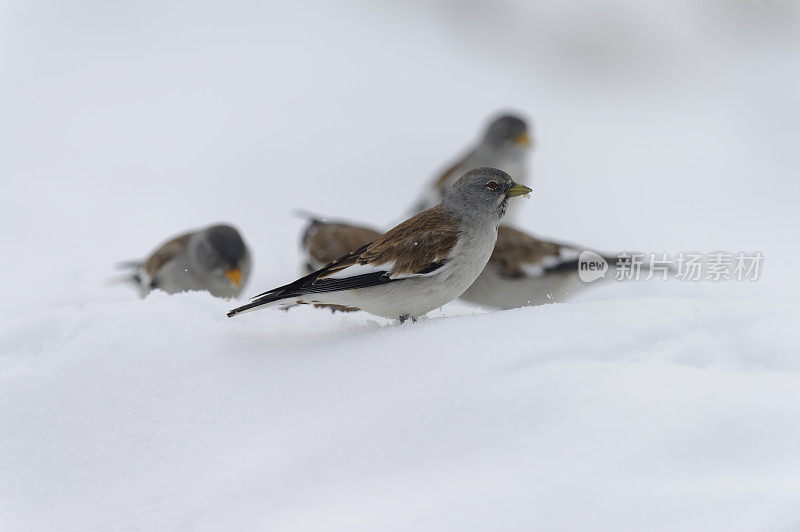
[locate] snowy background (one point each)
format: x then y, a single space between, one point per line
669 126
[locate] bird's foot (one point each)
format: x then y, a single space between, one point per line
405 317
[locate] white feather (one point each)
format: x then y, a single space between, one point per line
360 269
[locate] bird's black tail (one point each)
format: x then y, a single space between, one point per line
283 295
267 300
132 276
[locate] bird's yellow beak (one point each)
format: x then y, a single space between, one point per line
234 276
518 190
523 139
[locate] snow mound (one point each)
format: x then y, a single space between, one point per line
656 413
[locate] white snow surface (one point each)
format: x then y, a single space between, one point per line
660 127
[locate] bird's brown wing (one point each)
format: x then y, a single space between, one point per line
165 253
515 252
412 247
325 242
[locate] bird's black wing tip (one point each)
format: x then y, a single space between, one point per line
238 310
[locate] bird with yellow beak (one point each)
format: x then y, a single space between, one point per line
506 144
213 259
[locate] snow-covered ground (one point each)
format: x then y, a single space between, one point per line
640 406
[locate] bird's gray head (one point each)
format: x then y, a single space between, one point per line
507 131
221 254
482 194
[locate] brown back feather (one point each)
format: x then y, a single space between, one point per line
412 246
165 253
327 242
514 249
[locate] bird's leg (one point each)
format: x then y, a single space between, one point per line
405 317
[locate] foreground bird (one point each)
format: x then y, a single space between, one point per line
505 145
418 266
214 259
523 270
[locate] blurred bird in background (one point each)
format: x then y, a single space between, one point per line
323 242
505 145
526 270
214 259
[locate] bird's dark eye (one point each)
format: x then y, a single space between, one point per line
491 185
